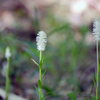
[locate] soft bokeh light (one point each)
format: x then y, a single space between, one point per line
79 6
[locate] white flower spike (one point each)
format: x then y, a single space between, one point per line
41 40
7 53
96 30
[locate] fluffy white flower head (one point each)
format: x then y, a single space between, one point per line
7 53
96 30
41 40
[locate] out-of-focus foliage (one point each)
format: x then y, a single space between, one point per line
70 55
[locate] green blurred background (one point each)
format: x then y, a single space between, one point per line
70 55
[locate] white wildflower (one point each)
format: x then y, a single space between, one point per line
41 40
96 30
7 53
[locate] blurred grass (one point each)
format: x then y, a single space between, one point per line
62 62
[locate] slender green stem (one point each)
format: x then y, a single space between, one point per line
97 76
40 81
7 79
40 75
40 55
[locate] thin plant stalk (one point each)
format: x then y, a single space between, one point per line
97 76
7 79
41 43
96 33
40 74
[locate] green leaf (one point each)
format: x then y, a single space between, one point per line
94 82
35 62
71 96
43 73
36 89
45 95
48 89
39 83
93 97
